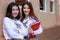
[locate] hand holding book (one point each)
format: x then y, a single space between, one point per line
34 26
30 30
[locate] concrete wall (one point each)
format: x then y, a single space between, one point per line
3 6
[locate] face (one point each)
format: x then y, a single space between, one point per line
26 9
15 11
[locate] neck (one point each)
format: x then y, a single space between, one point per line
26 16
14 19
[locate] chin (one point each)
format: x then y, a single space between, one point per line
15 16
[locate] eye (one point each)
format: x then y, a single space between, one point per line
28 8
17 9
13 9
24 7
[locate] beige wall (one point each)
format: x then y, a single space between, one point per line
58 14
48 20
3 6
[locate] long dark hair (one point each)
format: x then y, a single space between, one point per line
31 14
9 10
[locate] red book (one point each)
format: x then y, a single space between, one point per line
35 26
31 36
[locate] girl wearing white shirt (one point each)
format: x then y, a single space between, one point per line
28 18
13 29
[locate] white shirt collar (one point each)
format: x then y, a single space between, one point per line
25 20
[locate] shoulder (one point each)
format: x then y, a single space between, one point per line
6 19
18 21
31 19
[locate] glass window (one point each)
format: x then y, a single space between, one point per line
42 5
52 7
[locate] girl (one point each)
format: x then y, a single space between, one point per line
28 18
13 29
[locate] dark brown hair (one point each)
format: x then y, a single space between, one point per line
9 10
31 14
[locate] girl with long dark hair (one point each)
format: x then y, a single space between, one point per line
13 29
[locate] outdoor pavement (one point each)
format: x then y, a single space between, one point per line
50 34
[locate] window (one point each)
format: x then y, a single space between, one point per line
59 6
52 8
59 9
42 5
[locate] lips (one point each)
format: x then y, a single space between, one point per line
15 14
26 11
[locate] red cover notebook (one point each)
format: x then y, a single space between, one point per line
34 27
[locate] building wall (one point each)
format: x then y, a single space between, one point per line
3 6
58 14
48 19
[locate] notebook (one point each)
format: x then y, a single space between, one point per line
35 26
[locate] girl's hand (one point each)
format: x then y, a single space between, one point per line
30 30
17 31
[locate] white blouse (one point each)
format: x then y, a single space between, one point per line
28 21
10 28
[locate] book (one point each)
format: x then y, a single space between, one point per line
31 36
35 26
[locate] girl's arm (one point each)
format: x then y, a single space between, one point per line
23 30
9 27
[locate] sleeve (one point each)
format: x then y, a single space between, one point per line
23 30
9 26
39 31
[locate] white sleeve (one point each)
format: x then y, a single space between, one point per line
8 25
23 30
39 31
